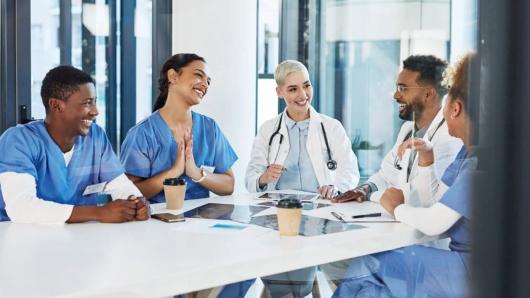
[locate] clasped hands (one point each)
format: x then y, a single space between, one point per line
120 210
185 162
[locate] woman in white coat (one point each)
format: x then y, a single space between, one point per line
299 149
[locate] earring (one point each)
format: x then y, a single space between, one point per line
452 117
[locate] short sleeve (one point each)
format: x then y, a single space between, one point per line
110 166
225 156
458 196
23 152
134 155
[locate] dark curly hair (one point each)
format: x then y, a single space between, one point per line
431 70
61 82
457 78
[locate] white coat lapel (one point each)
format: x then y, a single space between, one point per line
435 123
315 145
279 151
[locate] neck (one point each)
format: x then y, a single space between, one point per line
465 136
176 111
300 116
427 116
61 136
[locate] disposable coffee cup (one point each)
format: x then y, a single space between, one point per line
174 191
289 216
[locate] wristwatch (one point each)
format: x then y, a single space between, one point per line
203 176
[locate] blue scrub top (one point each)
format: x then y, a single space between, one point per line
150 149
458 197
29 149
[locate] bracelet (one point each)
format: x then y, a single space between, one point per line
203 176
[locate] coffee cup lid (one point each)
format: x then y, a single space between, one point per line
174 181
289 203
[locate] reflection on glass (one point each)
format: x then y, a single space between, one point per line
310 225
45 52
268 42
362 47
142 29
239 213
90 30
268 55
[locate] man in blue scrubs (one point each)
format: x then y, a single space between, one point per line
54 171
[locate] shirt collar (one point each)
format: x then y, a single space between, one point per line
290 123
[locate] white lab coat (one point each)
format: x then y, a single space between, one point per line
416 191
345 177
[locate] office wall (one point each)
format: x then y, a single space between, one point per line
224 33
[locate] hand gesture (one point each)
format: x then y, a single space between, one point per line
351 195
391 198
191 168
180 162
272 174
118 211
424 148
327 191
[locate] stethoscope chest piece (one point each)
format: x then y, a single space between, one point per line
332 164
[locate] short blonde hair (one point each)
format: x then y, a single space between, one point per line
286 68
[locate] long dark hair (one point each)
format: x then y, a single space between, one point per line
176 62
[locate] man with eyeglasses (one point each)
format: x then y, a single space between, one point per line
419 92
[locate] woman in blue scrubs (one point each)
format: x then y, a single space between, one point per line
418 271
178 142
175 141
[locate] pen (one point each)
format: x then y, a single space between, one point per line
337 216
367 215
284 169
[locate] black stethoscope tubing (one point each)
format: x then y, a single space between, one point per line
407 136
331 163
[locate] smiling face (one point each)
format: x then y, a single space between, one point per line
297 92
78 111
191 82
410 98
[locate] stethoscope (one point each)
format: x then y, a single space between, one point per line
407 136
331 163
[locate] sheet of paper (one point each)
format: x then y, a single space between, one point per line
347 210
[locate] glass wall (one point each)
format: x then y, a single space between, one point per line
361 48
45 51
92 42
142 28
268 55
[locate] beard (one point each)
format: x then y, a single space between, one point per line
415 107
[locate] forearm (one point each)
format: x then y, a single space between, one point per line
220 184
152 186
431 221
85 213
22 204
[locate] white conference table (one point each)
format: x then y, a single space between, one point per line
154 259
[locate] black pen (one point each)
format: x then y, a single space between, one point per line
367 215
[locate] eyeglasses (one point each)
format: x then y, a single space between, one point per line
401 88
